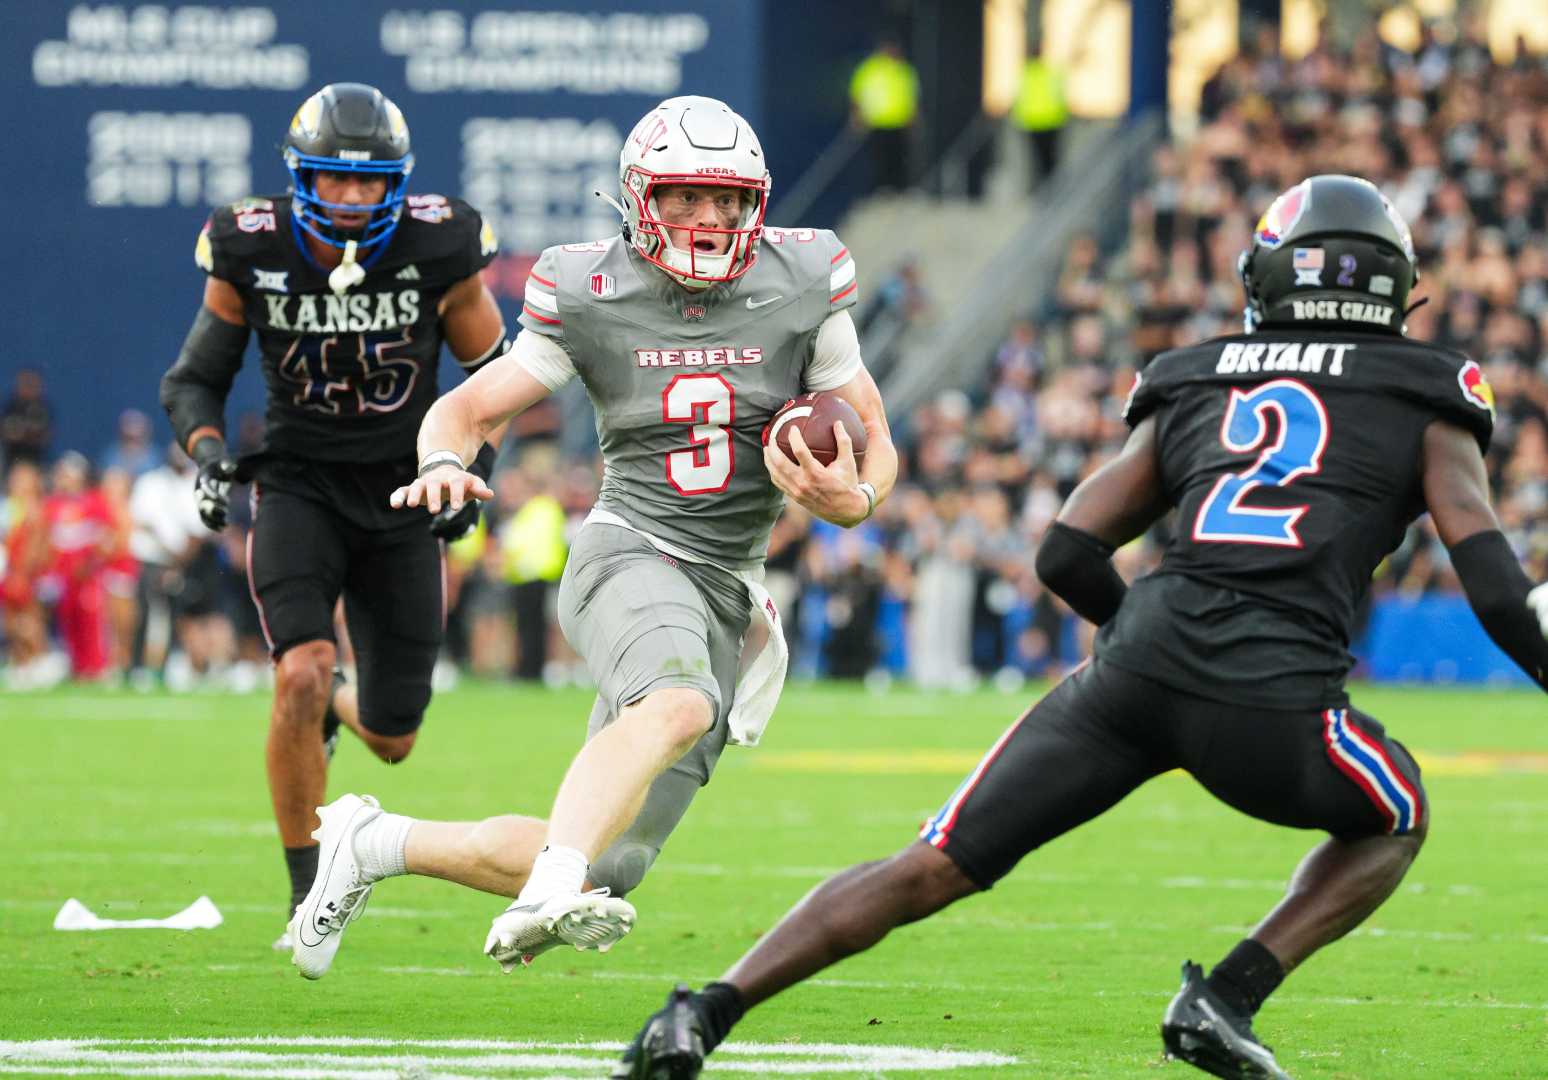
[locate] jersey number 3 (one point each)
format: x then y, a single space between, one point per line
709 404
1297 451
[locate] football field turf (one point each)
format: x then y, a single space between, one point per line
138 804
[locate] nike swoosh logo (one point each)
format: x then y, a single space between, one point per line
754 305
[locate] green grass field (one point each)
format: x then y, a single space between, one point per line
137 805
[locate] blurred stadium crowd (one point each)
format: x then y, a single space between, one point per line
106 571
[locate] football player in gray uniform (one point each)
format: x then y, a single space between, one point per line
689 330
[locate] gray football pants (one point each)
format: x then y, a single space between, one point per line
643 621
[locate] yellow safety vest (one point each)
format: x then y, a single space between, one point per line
1040 104
533 542
885 92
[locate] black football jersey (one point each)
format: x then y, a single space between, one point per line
1293 459
349 376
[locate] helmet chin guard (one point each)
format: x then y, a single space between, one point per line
697 141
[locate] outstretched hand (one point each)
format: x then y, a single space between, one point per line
444 485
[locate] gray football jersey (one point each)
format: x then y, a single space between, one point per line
683 383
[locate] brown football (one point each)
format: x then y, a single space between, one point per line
814 415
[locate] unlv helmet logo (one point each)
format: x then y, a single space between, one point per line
601 286
1475 387
1281 217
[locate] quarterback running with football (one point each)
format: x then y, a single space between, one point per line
689 331
1296 455
352 285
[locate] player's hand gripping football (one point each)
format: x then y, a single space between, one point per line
443 486
827 491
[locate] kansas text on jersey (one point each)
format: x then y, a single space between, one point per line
349 376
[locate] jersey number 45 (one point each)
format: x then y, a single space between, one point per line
350 374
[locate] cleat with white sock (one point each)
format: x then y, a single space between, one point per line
590 920
339 894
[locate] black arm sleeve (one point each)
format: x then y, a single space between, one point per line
194 389
1076 566
1497 590
484 463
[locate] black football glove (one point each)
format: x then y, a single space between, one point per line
212 487
450 525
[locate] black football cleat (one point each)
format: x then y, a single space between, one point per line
669 1047
1202 1030
331 721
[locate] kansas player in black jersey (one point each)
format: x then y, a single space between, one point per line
1296 455
352 286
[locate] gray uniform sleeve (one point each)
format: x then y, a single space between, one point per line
540 304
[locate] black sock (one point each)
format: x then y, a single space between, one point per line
1246 977
302 864
720 1007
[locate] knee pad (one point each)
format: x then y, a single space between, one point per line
623 866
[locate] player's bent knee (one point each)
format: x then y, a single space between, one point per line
683 713
303 679
622 867
391 748
929 877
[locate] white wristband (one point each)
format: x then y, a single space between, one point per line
869 491
436 458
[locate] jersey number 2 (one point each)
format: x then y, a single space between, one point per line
1297 451
709 404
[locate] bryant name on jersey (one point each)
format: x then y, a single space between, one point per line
1292 460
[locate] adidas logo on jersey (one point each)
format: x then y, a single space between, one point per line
408 273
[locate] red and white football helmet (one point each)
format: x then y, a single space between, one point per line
693 140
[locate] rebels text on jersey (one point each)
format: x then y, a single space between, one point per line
349 376
1293 461
684 383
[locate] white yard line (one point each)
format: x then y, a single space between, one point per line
301 1058
666 980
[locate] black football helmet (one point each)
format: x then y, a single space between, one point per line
348 127
1332 250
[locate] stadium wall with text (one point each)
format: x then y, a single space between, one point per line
125 122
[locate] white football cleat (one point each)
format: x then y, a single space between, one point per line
282 943
590 920
339 894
